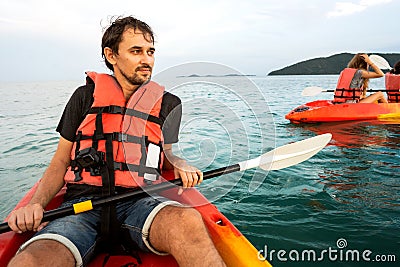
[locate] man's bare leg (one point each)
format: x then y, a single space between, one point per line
181 232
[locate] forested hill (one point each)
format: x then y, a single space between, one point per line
327 65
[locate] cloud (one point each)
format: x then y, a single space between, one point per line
348 8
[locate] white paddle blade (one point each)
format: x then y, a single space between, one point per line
312 91
292 154
285 156
380 62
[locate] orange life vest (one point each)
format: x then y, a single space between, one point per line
118 144
343 92
392 83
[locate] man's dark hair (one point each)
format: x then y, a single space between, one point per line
112 36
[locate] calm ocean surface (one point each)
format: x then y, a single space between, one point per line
347 197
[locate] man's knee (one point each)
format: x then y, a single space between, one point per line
188 220
25 258
177 224
189 214
183 232
44 253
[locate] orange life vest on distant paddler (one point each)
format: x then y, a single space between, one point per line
343 92
118 143
392 83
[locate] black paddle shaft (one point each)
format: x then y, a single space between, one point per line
62 212
368 90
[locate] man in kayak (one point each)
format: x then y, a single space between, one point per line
353 82
101 147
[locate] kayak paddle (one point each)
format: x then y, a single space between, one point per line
315 90
380 62
278 158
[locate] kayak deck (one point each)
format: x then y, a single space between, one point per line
326 111
234 248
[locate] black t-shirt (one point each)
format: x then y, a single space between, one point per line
76 110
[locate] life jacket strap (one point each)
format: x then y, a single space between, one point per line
125 111
112 109
342 98
120 137
143 116
149 174
393 95
342 90
109 221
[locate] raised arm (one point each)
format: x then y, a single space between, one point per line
377 73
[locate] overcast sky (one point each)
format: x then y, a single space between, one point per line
60 39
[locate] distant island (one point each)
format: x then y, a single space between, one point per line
327 65
212 75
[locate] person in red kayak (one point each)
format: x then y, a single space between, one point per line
392 84
353 82
396 68
116 133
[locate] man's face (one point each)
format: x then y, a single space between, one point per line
135 58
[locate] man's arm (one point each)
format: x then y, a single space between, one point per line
190 175
30 216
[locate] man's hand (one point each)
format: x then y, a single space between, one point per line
27 218
191 176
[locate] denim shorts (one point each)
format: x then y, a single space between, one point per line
80 232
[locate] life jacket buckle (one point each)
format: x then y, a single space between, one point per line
89 157
116 110
120 137
78 176
118 166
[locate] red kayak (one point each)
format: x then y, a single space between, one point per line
235 249
326 111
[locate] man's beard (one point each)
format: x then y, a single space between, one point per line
136 79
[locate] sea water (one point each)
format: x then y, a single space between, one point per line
339 208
